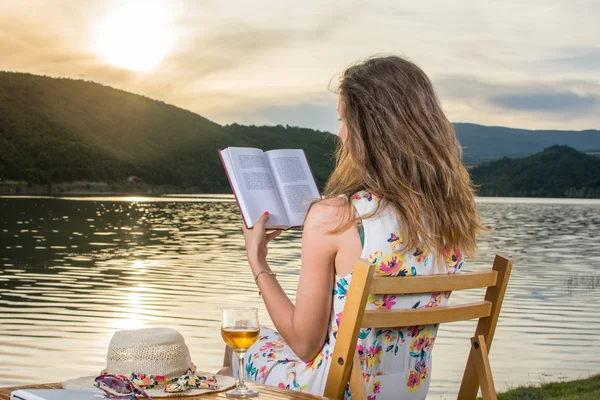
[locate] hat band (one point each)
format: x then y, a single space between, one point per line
189 380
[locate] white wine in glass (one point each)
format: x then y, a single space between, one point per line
239 328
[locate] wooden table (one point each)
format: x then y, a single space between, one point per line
266 393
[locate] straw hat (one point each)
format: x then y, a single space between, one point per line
148 356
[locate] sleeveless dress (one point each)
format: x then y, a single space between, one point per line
396 363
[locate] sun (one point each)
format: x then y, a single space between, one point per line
134 36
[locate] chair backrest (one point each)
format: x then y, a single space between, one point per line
345 367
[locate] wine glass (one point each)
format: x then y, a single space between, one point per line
239 328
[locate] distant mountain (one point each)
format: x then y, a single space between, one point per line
61 130
485 143
558 171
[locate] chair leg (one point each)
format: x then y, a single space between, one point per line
479 352
357 380
486 327
469 386
478 372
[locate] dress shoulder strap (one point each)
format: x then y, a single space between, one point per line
365 203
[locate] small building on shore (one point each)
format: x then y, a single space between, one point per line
136 180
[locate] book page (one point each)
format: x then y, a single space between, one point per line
294 181
256 189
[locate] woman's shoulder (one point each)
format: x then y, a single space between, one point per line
334 212
328 213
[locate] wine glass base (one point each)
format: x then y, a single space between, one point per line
242 393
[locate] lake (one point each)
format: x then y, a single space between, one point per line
75 270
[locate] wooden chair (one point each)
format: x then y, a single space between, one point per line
345 365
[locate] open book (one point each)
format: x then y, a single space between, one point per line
277 181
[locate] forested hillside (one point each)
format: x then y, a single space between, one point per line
558 171
57 130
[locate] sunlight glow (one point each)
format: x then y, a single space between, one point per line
136 199
132 318
134 35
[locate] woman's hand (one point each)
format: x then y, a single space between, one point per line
256 243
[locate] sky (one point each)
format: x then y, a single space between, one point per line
527 64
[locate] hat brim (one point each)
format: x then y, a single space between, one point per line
87 383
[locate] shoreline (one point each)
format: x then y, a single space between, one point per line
584 389
18 188
175 196
84 188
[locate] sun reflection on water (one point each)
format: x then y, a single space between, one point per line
132 314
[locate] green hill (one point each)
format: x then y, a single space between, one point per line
61 130
558 171
64 130
487 143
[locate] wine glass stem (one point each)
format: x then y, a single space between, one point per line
241 371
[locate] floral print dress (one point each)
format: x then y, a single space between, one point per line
396 363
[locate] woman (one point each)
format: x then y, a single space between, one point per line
399 197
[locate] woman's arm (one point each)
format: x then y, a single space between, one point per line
305 325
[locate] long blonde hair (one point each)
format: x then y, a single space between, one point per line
401 146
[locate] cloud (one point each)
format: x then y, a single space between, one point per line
586 59
531 103
559 97
270 62
565 102
519 104
212 47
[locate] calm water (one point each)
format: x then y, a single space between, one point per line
74 271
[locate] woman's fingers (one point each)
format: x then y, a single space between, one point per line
272 235
262 221
260 224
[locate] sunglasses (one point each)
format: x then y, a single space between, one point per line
119 387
